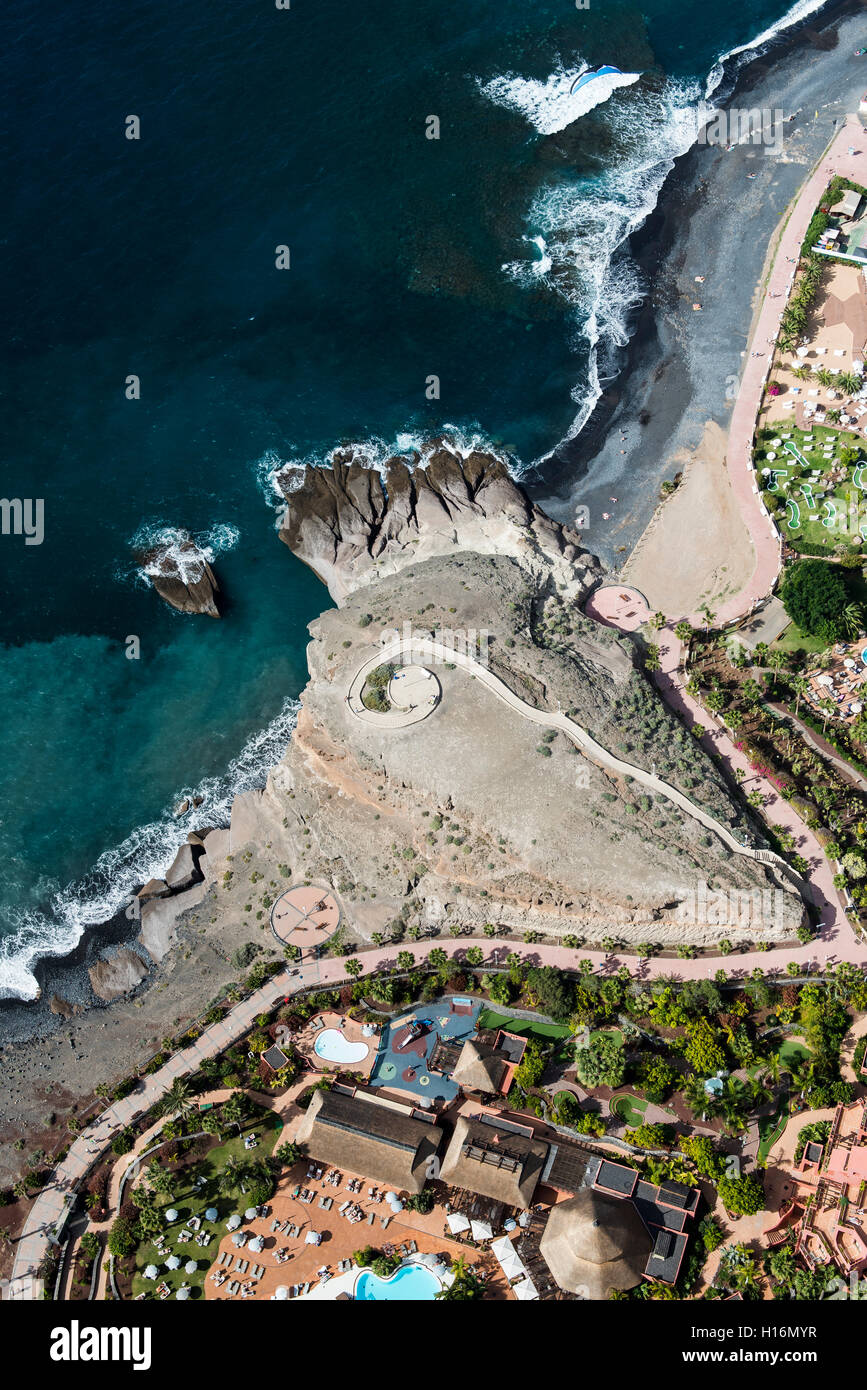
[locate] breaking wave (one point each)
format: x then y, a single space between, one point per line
180 550
144 854
552 105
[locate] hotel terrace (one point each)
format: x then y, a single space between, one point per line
824 1197
537 1215
842 680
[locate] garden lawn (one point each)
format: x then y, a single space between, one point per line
524 1027
814 532
629 1108
190 1200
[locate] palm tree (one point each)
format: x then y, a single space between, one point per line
652 660
802 373
824 377
773 1068
853 619
828 708
733 1104
683 631
802 1074
850 382
697 1099
801 686
232 1176
177 1100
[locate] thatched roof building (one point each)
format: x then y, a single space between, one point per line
361 1135
480 1068
495 1162
593 1244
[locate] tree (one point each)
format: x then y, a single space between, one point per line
683 631
702 1051
159 1179
121 1237
475 956
699 1148
601 1063
465 1284
814 596
177 1100
742 1196
652 658
551 991
405 960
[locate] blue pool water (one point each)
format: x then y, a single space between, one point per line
332 1046
864 656
413 1284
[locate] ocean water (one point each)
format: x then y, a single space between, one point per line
492 258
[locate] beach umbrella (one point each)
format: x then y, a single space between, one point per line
173 1262
151 1272
525 1291
457 1222
281 1293
233 1223
257 1244
191 1267
171 1214
251 1213
481 1230
239 1238
182 1294
211 1214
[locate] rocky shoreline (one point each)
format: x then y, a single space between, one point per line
375 530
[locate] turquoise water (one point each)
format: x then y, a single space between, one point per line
412 1283
491 258
332 1046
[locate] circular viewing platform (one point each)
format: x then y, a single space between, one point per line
305 916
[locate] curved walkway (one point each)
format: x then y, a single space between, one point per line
429 650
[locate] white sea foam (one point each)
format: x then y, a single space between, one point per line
146 853
278 475
746 52
172 547
580 225
552 105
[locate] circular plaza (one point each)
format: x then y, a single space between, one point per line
305 916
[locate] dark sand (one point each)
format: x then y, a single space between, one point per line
682 367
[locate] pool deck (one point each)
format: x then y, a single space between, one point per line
406 1069
306 1038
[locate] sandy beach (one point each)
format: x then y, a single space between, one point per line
667 412
717 217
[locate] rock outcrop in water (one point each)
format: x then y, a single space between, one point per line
352 524
181 574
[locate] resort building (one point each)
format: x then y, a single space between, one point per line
617 1230
825 1197
495 1158
593 1244
362 1133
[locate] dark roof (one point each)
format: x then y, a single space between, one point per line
568 1167
813 1152
615 1177
665 1257
359 1134
275 1057
654 1213
676 1194
511 1045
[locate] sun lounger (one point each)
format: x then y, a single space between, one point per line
305 1290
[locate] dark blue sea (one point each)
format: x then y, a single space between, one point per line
492 258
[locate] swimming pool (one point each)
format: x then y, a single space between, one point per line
332 1046
864 656
411 1283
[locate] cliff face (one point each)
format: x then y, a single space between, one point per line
473 814
352 526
